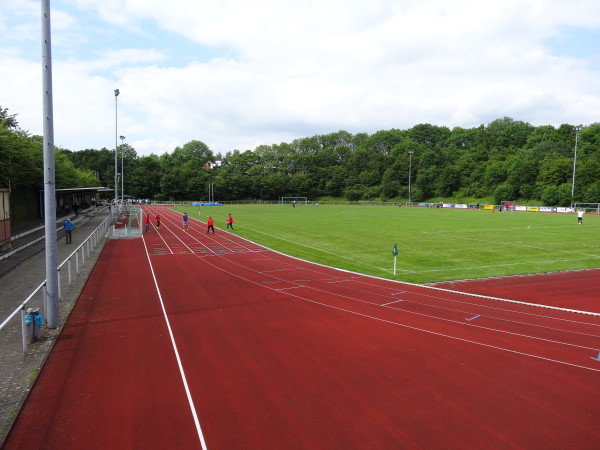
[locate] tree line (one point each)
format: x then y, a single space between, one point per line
22 168
504 160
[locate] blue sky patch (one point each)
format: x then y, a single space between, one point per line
576 43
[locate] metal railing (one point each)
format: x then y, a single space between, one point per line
129 222
81 252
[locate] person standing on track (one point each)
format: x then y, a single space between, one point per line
210 225
69 227
185 221
230 222
157 221
147 222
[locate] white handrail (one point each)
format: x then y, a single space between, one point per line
101 228
22 305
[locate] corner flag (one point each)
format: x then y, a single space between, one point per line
395 250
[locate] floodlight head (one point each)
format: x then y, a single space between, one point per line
122 137
117 92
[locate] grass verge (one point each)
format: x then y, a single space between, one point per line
434 244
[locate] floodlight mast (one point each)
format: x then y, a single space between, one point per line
122 171
410 153
577 129
51 297
116 149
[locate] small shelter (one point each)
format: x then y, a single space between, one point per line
72 199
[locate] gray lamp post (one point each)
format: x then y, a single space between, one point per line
577 129
122 172
116 145
410 153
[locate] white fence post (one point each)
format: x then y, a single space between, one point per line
23 330
59 286
45 299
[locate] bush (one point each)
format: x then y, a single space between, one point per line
390 189
416 194
550 196
504 192
355 192
564 195
527 191
592 193
372 192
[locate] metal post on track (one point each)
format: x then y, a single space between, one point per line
69 269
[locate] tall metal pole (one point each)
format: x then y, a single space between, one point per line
410 153
122 172
51 304
577 128
116 146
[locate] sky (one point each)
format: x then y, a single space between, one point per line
237 74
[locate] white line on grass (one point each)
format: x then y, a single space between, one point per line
515 244
528 263
329 253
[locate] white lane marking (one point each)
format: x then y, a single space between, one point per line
179 363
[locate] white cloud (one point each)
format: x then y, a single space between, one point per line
292 69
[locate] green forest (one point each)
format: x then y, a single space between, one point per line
506 159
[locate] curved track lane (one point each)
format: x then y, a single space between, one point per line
277 352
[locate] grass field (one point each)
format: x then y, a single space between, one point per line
434 244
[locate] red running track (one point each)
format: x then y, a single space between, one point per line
183 340
578 289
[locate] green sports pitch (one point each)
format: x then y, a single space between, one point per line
433 244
